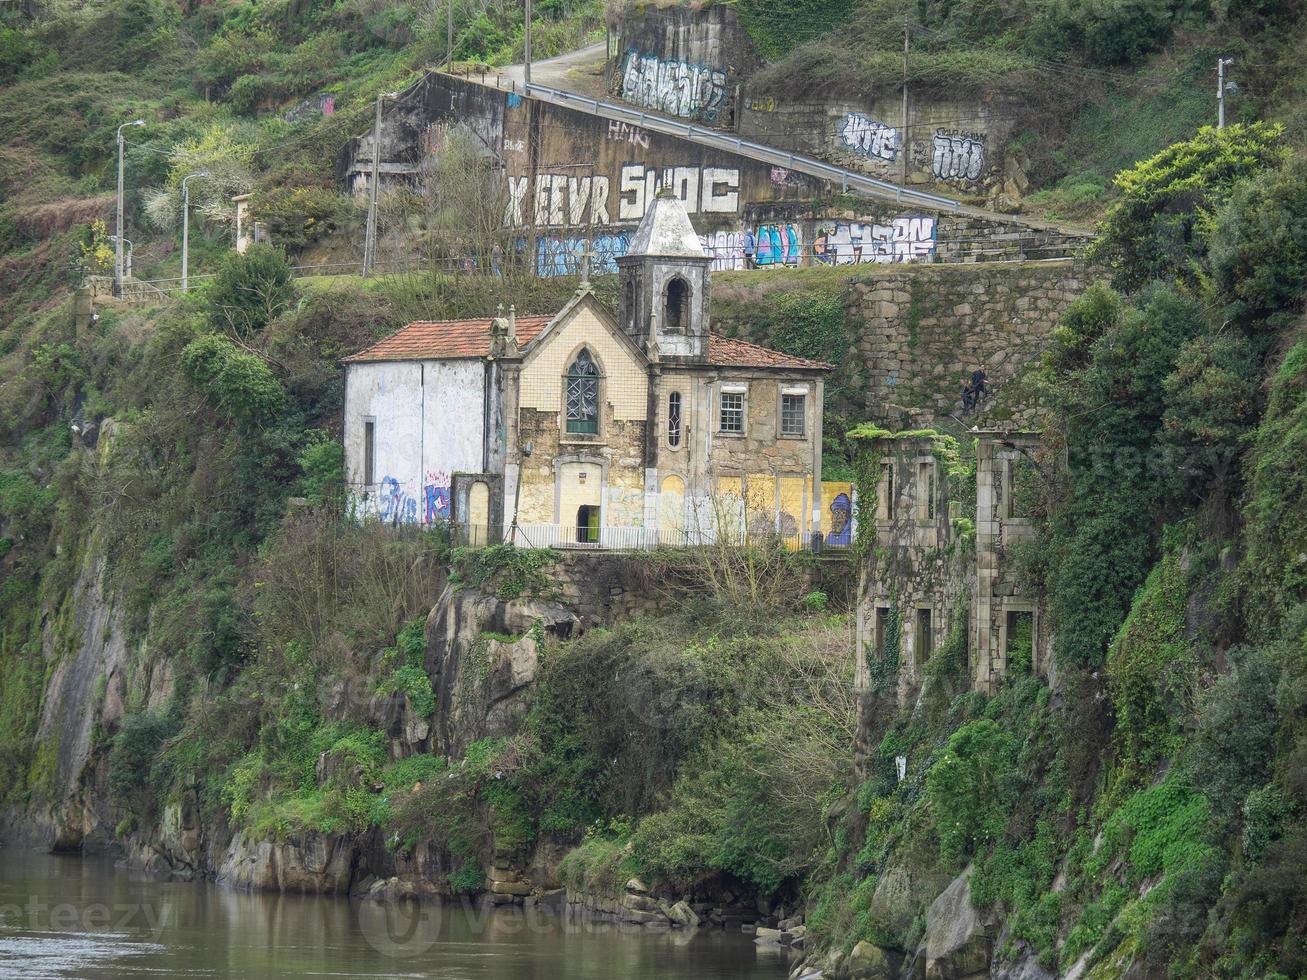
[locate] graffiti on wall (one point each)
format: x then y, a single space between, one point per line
726 249
958 155
775 246
868 137
559 255
395 505
675 87
560 199
854 242
566 199
622 132
783 177
435 497
767 246
706 190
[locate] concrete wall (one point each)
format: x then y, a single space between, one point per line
429 423
570 176
682 61
954 144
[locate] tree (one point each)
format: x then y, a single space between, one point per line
1259 248
250 290
1161 226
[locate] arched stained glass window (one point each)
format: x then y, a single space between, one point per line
583 394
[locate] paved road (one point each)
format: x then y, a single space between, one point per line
560 72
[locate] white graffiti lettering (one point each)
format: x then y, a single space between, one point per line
626 133
958 157
726 249
675 87
710 190
849 243
866 136
560 199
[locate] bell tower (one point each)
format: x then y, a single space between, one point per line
665 280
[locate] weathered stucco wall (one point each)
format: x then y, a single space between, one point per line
435 407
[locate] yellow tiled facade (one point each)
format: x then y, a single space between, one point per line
624 384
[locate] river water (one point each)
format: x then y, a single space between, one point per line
79 917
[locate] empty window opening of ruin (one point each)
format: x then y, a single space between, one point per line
926 490
924 636
1020 645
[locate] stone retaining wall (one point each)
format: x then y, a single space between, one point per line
918 332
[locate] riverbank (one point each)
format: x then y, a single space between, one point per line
71 916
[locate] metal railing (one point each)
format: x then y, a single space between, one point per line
608 538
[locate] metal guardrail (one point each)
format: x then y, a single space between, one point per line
757 151
847 179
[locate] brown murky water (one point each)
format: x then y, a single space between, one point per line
78 917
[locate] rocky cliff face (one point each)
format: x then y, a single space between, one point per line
482 655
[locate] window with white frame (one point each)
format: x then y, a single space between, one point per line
732 411
794 414
674 419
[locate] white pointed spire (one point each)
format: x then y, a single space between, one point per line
665 230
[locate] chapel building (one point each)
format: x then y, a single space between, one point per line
589 428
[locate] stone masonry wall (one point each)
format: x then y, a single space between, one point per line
917 332
924 331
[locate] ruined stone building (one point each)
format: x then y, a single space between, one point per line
627 429
940 577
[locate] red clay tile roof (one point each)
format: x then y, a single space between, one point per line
730 352
431 340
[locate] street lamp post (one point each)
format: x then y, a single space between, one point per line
370 236
186 225
118 249
1221 65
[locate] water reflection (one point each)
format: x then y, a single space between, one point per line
78 917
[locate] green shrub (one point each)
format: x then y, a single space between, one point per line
249 290
967 787
469 879
236 382
131 760
1161 225
322 462
505 570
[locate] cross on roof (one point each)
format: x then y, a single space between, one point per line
587 254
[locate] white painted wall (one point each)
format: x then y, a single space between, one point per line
429 424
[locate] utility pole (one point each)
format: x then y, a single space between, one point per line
186 225
449 32
903 139
1221 65
370 235
526 70
118 228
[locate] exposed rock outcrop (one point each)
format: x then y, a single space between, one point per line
482 654
959 938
